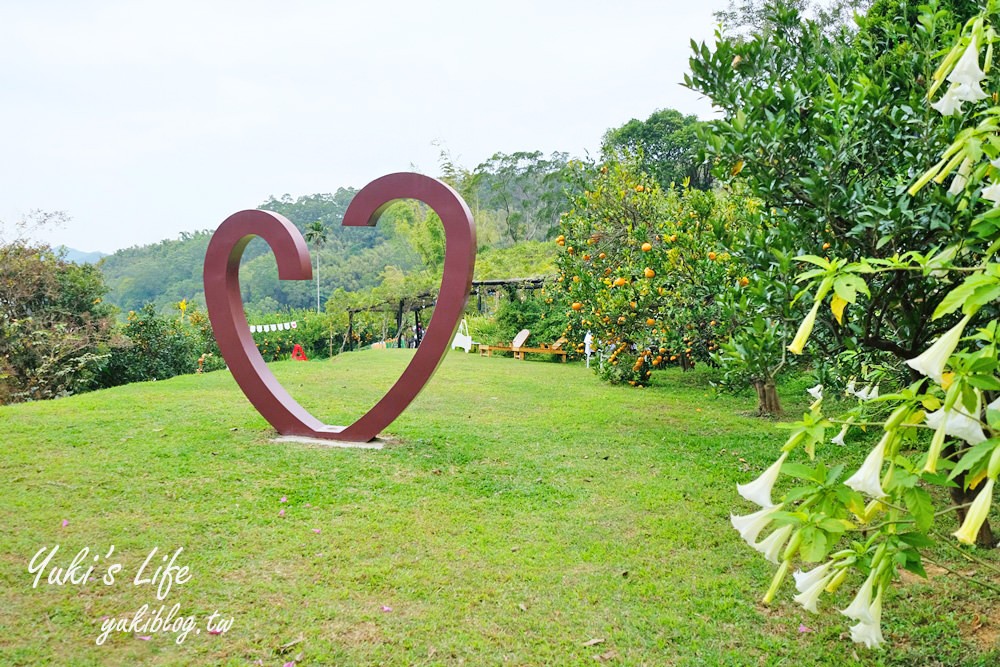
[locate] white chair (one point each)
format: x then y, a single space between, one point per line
462 338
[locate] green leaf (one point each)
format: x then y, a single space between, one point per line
852 283
980 297
921 507
801 471
938 479
987 382
844 290
915 539
798 493
834 474
814 545
956 298
813 259
973 456
836 525
993 418
913 563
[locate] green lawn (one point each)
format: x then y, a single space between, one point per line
523 514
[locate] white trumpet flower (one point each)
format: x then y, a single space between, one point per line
967 70
771 545
860 607
749 526
976 514
759 490
805 328
806 580
957 424
868 477
971 92
961 178
869 633
932 362
839 438
949 105
810 596
992 192
866 394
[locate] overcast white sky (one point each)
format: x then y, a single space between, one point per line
144 119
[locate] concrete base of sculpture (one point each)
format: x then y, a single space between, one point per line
377 443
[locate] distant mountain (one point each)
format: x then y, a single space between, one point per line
80 257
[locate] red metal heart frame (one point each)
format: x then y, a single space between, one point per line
229 322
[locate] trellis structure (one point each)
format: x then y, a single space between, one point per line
419 303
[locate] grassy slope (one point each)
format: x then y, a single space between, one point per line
525 510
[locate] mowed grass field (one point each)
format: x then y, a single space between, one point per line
522 513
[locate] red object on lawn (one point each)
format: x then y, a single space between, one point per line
298 354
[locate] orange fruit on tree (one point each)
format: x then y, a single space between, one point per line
576 279
646 247
601 256
650 321
577 305
649 273
639 188
560 242
570 250
744 281
620 281
826 246
711 256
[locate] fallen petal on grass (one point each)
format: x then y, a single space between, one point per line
65 523
281 512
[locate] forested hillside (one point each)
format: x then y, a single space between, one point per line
516 200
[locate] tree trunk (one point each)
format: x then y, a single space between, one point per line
768 404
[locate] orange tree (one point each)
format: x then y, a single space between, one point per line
643 270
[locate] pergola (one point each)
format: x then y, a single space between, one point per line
416 304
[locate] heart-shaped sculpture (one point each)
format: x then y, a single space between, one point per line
229 322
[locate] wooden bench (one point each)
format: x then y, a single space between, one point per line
555 348
518 348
